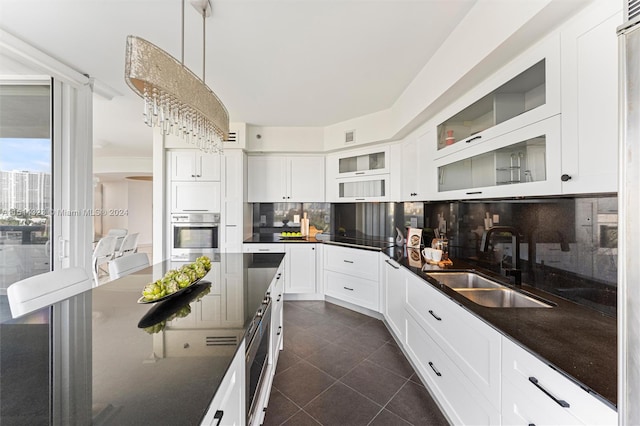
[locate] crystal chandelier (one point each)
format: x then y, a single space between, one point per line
175 99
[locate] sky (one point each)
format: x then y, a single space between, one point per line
32 155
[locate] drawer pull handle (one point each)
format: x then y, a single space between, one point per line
473 139
263 249
279 297
347 288
560 402
434 369
360 173
392 265
474 192
279 330
348 261
434 315
218 416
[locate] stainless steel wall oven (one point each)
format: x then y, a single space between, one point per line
193 235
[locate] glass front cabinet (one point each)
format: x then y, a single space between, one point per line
359 175
524 162
523 92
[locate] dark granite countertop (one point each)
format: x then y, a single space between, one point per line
575 340
168 374
366 243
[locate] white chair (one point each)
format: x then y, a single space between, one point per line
36 292
119 233
129 245
103 253
125 265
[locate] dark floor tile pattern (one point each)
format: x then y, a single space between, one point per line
340 367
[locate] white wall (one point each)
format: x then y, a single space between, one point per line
141 210
134 197
285 139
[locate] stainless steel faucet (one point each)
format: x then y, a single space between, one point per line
515 270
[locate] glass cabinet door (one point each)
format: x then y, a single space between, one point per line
362 164
522 162
521 94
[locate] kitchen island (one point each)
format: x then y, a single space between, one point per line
162 363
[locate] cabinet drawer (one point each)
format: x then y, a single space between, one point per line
470 343
522 368
351 289
462 403
518 407
263 248
356 262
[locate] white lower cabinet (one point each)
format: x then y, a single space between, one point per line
228 405
472 345
461 402
277 300
534 393
300 268
352 275
395 295
352 289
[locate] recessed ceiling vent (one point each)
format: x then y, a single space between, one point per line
350 135
232 137
633 9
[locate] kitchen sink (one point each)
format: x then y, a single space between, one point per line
456 280
486 292
501 298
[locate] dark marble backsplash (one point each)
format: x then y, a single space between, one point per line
568 246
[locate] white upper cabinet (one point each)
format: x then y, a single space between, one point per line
590 100
525 162
415 184
285 179
370 174
524 91
192 165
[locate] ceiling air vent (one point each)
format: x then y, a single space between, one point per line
232 137
350 135
633 9
221 340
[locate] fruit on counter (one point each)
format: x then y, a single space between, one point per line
290 234
175 280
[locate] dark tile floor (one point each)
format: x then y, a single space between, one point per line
340 367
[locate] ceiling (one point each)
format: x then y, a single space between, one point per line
271 62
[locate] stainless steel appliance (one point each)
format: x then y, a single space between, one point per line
629 225
193 235
257 354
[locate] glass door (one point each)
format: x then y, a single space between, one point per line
25 182
25 246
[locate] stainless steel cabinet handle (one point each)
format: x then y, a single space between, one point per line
263 249
434 315
347 288
537 384
348 261
392 265
434 369
360 173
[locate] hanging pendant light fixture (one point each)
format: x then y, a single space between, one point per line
175 99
